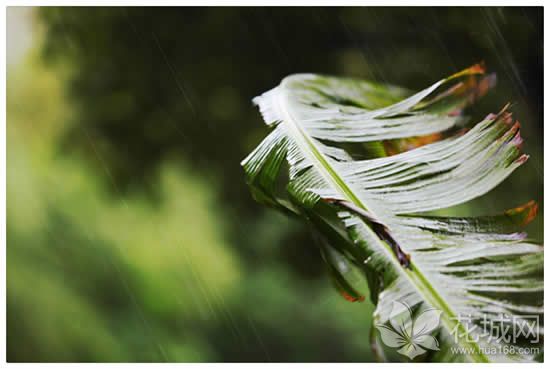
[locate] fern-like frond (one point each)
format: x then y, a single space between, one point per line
369 210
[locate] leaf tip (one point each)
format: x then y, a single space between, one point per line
525 213
350 298
517 140
522 159
478 68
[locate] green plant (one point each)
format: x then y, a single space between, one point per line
326 160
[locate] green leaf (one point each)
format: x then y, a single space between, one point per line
476 267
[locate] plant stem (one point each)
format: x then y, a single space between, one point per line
414 275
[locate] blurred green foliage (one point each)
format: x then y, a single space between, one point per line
131 235
93 277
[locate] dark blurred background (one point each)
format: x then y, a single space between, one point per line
131 233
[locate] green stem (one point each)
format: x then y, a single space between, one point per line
415 276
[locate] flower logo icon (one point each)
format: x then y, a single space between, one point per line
412 336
